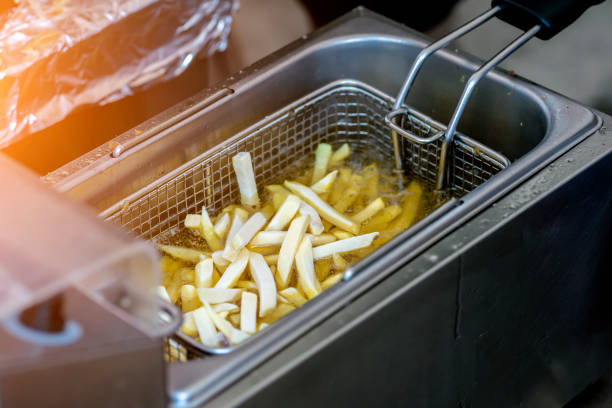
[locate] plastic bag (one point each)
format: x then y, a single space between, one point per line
59 55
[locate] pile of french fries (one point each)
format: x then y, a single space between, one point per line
263 259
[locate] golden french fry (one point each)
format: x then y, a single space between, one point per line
343 181
189 298
322 269
331 281
208 231
338 262
410 207
342 153
349 197
340 234
234 319
247 285
182 253
282 310
248 312
189 326
324 185
368 212
379 221
322 156
294 296
271 259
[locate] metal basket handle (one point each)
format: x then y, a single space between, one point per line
399 110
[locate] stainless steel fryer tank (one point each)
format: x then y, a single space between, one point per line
447 309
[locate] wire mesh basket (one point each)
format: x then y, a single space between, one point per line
341 112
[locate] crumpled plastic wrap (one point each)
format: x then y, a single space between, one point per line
59 55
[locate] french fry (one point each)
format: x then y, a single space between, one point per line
205 326
204 273
305 267
264 250
280 299
370 181
285 213
324 185
220 262
321 239
349 197
331 281
379 221
338 262
182 253
278 193
261 326
342 153
277 278
222 226
234 335
248 312
187 275
215 277
410 207
189 298
282 310
275 239
344 245
322 269
342 183
234 319
271 259
163 293
324 209
322 156
368 212
262 274
218 295
225 307
189 326
315 224
243 168
208 231
192 222
234 271
294 296
238 221
247 231
247 285
340 234
267 238
289 247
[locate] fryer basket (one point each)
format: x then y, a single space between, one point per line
343 111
